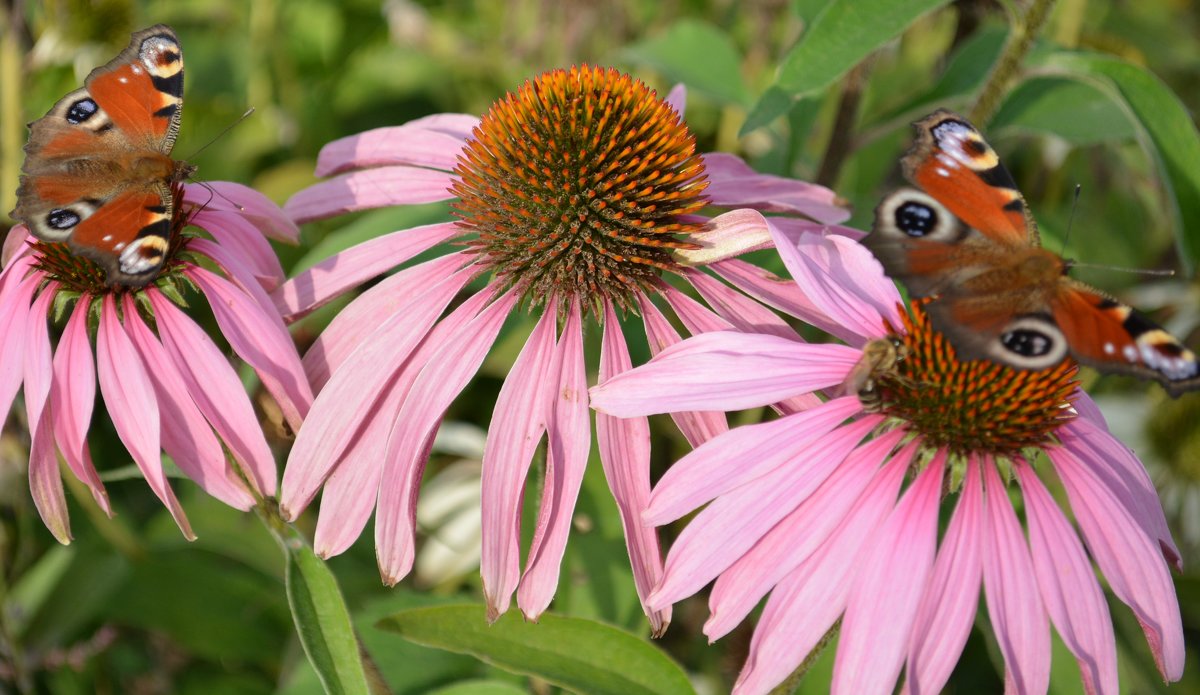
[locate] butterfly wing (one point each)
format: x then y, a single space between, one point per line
97 170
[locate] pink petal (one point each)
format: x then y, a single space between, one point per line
260 340
1085 406
331 277
15 245
439 383
45 483
72 397
129 397
726 529
404 144
625 455
1120 471
216 390
14 315
265 215
880 610
677 98
1068 586
724 371
1130 560
569 440
728 235
947 610
517 424
743 455
734 184
796 537
696 317
235 234
186 436
347 399
742 312
460 125
697 426
843 280
243 276
392 296
352 488
373 188
781 294
804 606
1010 588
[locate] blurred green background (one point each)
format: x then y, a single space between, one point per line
130 607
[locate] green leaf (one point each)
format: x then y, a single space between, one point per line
697 54
480 687
1075 111
964 73
323 623
842 35
1167 132
580 655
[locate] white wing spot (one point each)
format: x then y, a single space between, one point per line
107 237
1131 353
1109 348
942 172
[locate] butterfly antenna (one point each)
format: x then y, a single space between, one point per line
221 134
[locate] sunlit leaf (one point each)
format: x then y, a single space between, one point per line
697 54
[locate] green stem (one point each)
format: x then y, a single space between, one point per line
1025 29
11 120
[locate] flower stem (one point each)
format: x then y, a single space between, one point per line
1025 29
842 135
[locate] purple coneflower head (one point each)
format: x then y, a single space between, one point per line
811 508
576 194
164 382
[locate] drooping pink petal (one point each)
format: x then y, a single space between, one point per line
1130 560
1069 588
1117 468
216 390
313 287
265 215
881 608
264 344
517 424
732 183
361 317
746 454
439 383
72 397
235 234
697 426
350 492
795 538
404 144
242 276
347 398
677 98
129 398
947 610
728 235
14 315
1010 588
780 294
740 370
696 317
364 190
186 435
15 245
569 439
728 527
1085 406
742 312
843 280
804 606
45 483
625 455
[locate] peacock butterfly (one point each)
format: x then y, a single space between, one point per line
98 171
967 240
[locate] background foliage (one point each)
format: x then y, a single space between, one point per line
808 88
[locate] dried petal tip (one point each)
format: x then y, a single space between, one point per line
575 185
970 406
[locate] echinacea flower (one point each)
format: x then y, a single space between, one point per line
165 384
809 509
576 194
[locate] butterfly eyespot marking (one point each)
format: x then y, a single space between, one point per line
1030 342
62 219
144 255
81 111
915 215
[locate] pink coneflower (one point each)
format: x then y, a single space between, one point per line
165 384
805 507
576 194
